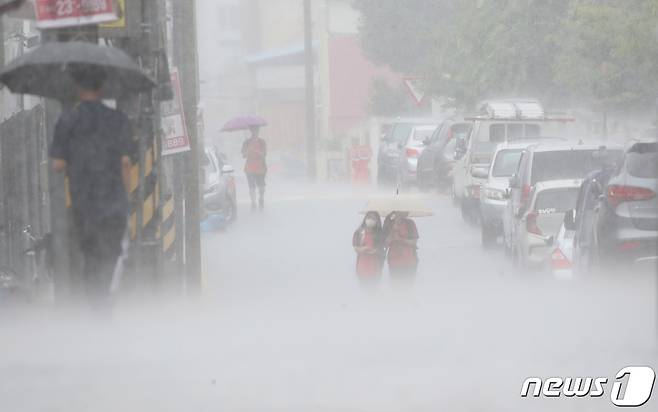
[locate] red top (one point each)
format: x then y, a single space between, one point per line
255 150
367 264
399 253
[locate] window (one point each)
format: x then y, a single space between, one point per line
642 160
501 132
557 200
401 132
420 134
497 133
507 162
567 164
449 149
515 131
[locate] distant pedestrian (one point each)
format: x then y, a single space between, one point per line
401 241
93 144
368 243
254 150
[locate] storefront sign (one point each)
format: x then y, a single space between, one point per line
175 138
52 14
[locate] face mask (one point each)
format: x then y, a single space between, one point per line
371 222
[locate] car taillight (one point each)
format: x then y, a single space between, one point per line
628 245
531 224
525 194
411 152
559 261
618 194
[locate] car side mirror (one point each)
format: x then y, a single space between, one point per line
427 141
514 181
570 220
508 193
227 169
549 240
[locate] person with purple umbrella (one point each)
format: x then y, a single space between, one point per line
254 150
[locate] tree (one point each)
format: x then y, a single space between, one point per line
610 54
396 33
602 52
386 100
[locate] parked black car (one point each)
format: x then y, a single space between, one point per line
392 147
616 218
437 160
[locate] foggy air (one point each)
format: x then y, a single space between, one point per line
328 205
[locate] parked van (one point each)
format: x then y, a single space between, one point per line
498 121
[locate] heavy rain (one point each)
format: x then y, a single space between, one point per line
328 205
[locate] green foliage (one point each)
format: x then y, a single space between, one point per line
388 101
609 54
598 52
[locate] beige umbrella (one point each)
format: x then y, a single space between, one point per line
398 203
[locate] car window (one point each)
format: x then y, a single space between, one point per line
401 132
208 164
567 164
642 161
515 131
449 148
461 129
556 200
439 134
506 163
420 135
497 133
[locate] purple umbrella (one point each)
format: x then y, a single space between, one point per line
244 123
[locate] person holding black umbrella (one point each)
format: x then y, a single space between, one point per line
94 144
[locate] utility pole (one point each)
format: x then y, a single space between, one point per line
310 92
185 57
2 42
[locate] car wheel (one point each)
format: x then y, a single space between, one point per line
507 247
423 184
488 235
519 260
466 213
399 182
453 195
234 210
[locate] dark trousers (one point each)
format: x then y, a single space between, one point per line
100 244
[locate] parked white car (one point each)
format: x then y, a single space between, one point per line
540 224
410 151
493 194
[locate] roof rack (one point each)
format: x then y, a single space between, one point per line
517 110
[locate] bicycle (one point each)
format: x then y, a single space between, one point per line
36 283
39 264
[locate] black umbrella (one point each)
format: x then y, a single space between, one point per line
46 71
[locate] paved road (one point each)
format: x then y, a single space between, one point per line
285 326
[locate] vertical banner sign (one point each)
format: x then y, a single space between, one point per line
174 129
53 14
